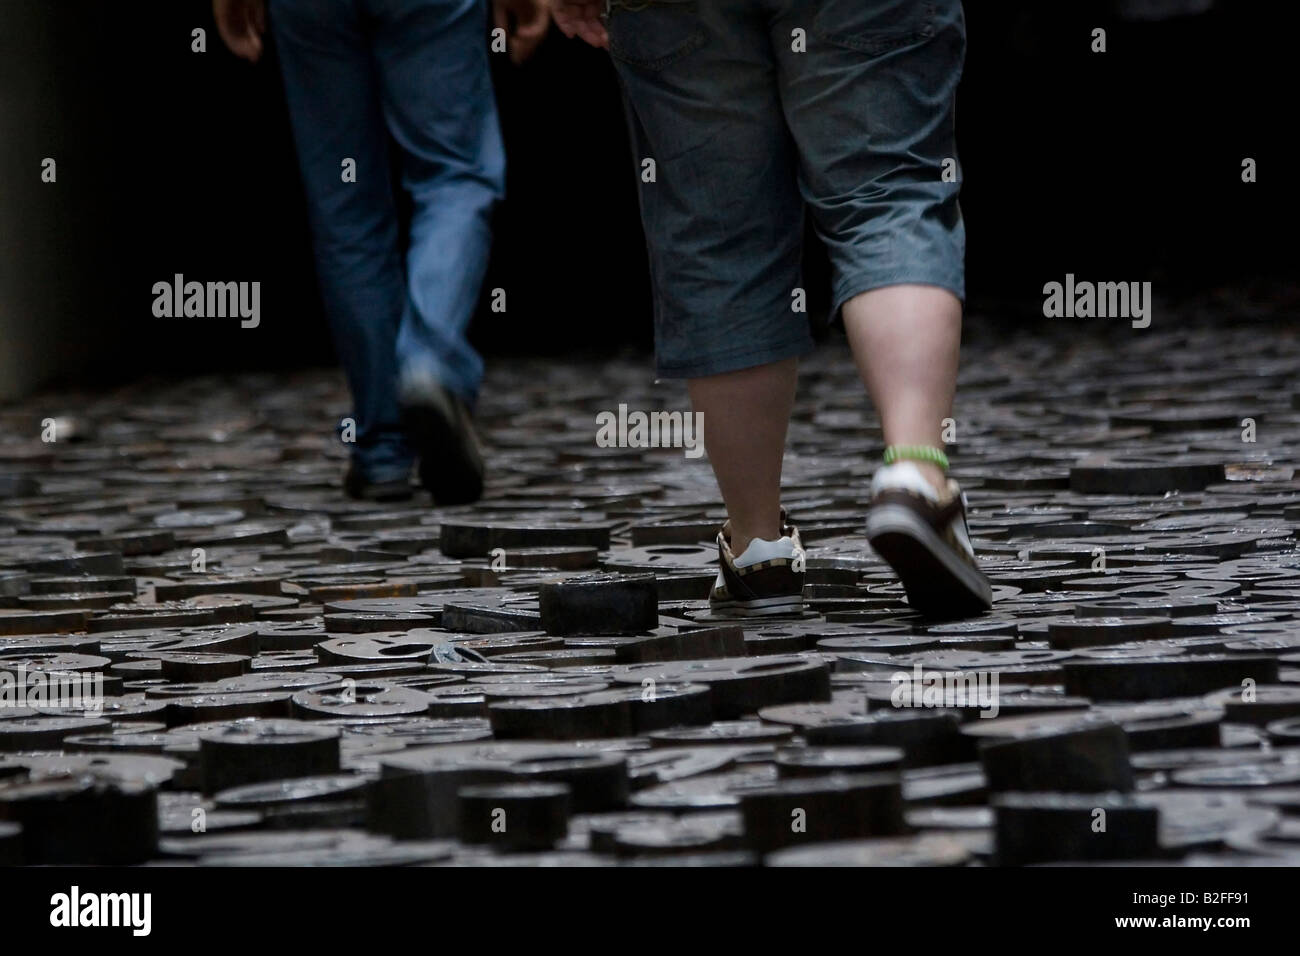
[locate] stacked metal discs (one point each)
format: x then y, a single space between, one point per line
208 655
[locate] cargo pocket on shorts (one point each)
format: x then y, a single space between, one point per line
651 35
874 27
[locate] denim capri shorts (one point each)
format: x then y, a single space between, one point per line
746 113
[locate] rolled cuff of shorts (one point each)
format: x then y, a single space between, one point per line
733 360
857 283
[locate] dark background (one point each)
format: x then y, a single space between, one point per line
1117 166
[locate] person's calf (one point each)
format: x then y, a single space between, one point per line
746 414
906 340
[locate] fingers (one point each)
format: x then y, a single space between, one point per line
240 24
595 34
228 22
530 31
565 17
581 18
252 47
254 27
246 43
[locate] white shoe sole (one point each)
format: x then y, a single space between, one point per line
760 607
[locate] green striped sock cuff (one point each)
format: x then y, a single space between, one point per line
929 453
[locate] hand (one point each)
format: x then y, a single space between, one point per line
581 18
531 20
241 24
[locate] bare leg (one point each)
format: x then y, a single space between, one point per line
746 415
905 340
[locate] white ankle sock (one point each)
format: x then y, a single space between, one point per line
760 550
903 475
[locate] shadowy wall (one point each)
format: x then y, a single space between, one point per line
1117 166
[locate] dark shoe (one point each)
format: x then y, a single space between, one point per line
766 580
356 486
925 539
442 433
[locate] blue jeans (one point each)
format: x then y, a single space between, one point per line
756 112
359 74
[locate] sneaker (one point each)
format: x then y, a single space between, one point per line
766 579
355 485
442 433
925 539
